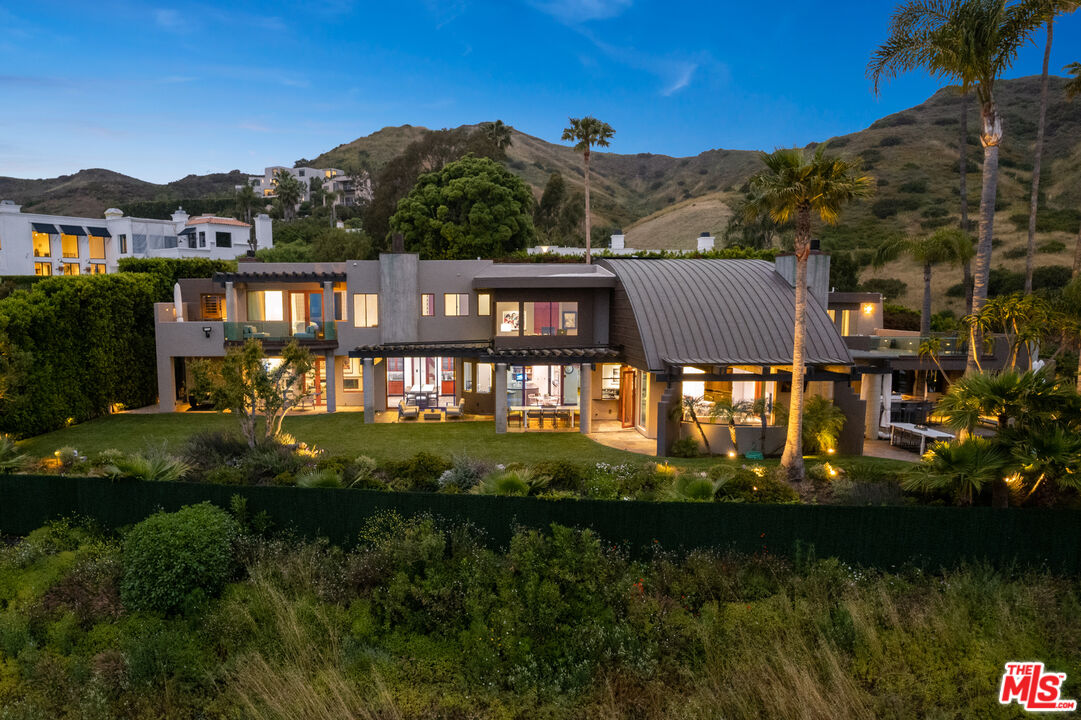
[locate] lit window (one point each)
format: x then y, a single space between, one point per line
213 307
693 388
484 377
41 245
467 373
97 268
484 304
550 318
340 305
71 268
43 268
427 304
266 305
455 304
353 375
97 248
365 310
69 246
508 317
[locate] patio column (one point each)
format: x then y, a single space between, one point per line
871 393
668 418
368 378
501 397
585 398
328 303
230 302
887 400
331 373
166 384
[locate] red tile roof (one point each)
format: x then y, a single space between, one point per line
217 221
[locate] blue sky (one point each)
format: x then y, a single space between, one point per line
159 91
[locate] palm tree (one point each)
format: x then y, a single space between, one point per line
246 202
962 166
498 134
289 191
973 41
795 186
587 132
1053 9
1073 89
945 246
963 467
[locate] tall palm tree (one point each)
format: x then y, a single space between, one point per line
972 41
963 467
1073 89
945 246
498 134
796 186
587 132
1053 9
246 202
289 191
962 166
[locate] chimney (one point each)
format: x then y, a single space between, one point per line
264 231
618 240
705 242
180 216
113 213
818 272
397 244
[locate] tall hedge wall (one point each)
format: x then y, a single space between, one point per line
70 347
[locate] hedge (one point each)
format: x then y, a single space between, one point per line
172 269
883 537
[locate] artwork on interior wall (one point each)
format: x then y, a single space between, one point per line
570 319
509 323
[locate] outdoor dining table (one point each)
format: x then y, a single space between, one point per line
546 412
923 433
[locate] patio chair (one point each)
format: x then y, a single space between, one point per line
564 417
311 333
456 412
516 416
535 413
407 412
250 333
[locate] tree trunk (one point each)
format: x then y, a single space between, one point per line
990 137
962 162
925 315
1000 491
792 459
1037 157
589 229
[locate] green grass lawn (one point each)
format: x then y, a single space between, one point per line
346 434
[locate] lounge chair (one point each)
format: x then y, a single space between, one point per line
516 416
407 412
311 333
456 412
250 333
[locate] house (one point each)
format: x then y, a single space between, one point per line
619 342
345 189
40 244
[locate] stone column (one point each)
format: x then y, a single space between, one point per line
331 372
230 303
368 378
501 397
328 308
585 398
887 400
166 384
668 418
871 393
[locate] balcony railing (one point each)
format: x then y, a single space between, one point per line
906 344
280 331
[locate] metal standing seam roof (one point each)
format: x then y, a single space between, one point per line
721 312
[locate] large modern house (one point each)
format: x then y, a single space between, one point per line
533 345
344 188
39 244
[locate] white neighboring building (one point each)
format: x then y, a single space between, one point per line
348 190
38 244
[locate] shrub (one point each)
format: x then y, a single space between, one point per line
1051 247
562 475
518 481
152 466
685 447
851 492
751 485
914 186
1051 277
172 560
824 473
891 140
888 207
463 475
10 457
1014 253
212 448
420 472
698 487
889 287
898 317
326 478
266 461
362 474
647 482
822 423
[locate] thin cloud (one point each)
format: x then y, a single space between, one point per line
682 81
254 127
170 20
573 12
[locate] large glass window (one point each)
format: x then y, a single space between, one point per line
484 304
484 377
467 373
213 307
71 268
43 268
427 304
550 318
41 245
543 385
97 248
365 310
223 239
353 375
69 246
340 306
455 304
97 268
508 318
266 305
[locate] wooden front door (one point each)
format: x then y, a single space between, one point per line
628 380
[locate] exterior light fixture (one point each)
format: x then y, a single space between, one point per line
731 453
207 330
868 308
830 451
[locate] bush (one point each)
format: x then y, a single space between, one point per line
153 466
890 288
891 140
210 449
174 560
516 481
10 457
563 475
898 317
685 447
648 482
914 186
1050 220
463 475
751 485
1051 247
888 207
1051 277
325 478
1015 253
420 472
361 474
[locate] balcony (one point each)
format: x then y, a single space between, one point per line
281 332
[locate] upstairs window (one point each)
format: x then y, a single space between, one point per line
223 239
213 307
550 318
69 247
365 310
41 245
427 304
455 304
507 318
123 243
484 304
97 248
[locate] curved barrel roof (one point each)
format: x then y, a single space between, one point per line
721 312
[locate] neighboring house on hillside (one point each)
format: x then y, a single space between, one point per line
618 344
347 189
38 244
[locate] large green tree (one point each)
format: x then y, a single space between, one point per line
795 187
946 246
470 208
585 133
974 42
289 191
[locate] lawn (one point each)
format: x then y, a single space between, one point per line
346 434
